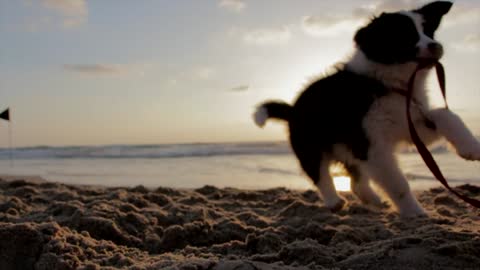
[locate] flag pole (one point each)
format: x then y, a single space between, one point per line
5 115
10 143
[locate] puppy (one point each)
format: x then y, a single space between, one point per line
357 115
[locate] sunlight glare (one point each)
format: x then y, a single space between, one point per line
340 178
342 183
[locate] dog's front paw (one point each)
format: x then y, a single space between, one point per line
470 152
415 212
408 207
414 215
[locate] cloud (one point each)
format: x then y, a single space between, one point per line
267 36
326 26
396 5
203 73
48 14
462 14
470 43
192 75
95 69
73 12
321 25
473 39
233 5
240 88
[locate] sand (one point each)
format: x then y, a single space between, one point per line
45 225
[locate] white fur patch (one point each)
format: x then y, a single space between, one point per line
424 41
327 188
384 170
260 116
392 76
455 131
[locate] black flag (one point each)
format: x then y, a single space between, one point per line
5 115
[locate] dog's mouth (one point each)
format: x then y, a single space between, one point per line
427 62
431 55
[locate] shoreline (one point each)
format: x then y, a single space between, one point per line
47 225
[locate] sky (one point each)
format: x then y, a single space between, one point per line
79 72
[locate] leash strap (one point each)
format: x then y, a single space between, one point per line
422 149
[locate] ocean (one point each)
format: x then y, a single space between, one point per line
239 165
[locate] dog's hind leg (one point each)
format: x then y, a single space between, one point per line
325 184
316 167
360 185
384 170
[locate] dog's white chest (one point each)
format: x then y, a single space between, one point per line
386 121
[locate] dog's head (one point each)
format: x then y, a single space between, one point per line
405 36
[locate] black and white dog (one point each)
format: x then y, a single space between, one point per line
357 115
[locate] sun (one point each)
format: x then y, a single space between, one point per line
340 178
342 183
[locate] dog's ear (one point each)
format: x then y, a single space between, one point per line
365 34
361 36
432 14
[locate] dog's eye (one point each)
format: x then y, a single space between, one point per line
403 33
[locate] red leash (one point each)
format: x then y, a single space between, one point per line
422 149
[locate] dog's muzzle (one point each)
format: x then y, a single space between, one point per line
435 49
430 55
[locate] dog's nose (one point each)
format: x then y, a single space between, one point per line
435 48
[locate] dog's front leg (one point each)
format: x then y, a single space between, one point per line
450 126
384 170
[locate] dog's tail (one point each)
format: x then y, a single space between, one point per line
272 109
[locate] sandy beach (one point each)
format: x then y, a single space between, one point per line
46 225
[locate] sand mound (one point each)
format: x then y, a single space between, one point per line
54 226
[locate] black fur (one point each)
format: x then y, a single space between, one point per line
278 110
389 39
328 112
332 109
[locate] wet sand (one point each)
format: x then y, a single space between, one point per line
45 225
